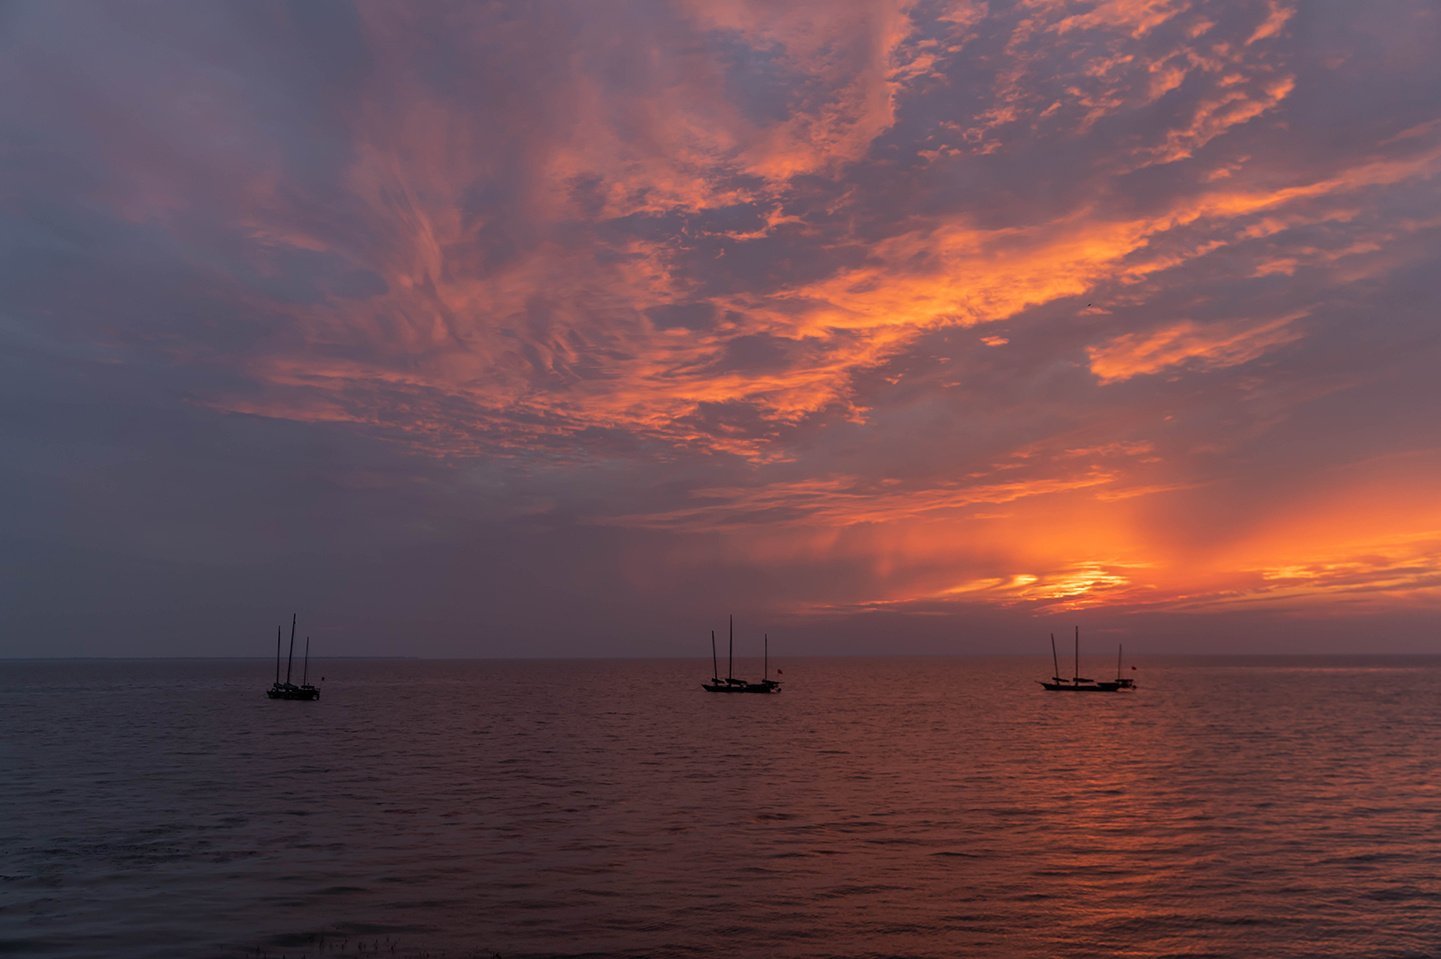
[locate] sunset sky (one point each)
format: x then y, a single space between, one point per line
570 328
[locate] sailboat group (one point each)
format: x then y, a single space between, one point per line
731 684
1080 684
287 689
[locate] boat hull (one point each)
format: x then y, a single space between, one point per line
736 688
293 692
1083 687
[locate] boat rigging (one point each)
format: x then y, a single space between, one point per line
1078 683
287 689
731 684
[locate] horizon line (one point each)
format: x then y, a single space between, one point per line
956 655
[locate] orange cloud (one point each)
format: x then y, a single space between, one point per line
1042 305
552 337
717 227
1214 347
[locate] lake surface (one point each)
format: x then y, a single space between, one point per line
877 807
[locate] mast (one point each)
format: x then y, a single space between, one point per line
306 671
714 663
1118 662
277 655
290 660
731 653
1078 654
1055 663
766 669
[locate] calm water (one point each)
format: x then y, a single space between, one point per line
915 807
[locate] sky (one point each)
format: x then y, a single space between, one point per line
569 329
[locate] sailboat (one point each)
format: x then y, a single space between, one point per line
1078 683
287 689
731 684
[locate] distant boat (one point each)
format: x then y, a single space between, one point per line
1078 683
287 689
731 684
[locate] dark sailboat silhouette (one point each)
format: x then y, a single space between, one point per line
287 689
1078 683
731 684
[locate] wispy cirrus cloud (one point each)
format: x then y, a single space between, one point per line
1216 347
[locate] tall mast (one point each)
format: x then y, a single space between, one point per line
766 669
1078 653
290 660
1055 663
1118 662
714 663
731 652
277 655
305 673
